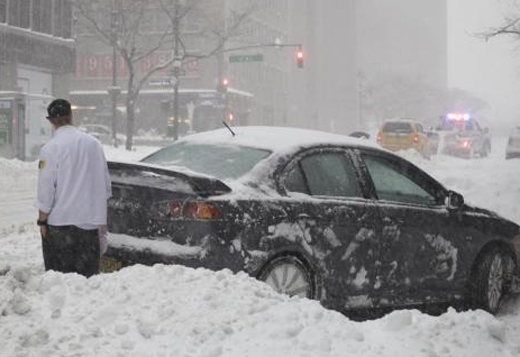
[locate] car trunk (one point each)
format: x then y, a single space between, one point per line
400 140
144 197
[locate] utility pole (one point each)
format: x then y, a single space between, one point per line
177 63
114 90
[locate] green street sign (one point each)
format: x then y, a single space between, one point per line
257 57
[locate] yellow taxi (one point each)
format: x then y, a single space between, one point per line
403 134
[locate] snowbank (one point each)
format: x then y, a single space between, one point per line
17 191
178 311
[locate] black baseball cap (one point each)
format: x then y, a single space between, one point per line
59 108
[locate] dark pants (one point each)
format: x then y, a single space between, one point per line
69 249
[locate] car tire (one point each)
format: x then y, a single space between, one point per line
289 275
491 280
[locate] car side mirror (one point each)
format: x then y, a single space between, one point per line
454 201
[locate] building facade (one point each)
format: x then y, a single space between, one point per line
36 57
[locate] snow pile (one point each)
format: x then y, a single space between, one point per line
178 311
15 198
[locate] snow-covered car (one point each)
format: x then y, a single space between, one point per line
513 144
103 133
466 138
322 216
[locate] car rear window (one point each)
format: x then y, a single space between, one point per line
397 127
221 161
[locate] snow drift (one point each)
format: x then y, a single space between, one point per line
178 311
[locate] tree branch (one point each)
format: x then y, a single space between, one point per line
511 27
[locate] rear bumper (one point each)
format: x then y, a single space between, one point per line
512 154
209 254
456 150
400 147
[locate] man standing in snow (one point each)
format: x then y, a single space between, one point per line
73 189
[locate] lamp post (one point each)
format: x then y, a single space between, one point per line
177 63
114 90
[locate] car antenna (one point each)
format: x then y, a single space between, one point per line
227 126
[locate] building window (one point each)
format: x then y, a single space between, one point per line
58 18
3 11
19 13
37 15
14 16
42 16
25 13
67 19
46 16
62 18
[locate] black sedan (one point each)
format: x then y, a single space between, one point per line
318 215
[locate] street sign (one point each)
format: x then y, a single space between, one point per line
161 82
257 57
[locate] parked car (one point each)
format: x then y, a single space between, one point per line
403 134
466 138
312 214
103 133
513 144
360 134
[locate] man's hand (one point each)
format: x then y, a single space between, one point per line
42 216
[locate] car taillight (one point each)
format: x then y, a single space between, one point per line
175 209
193 210
201 210
379 138
416 138
466 144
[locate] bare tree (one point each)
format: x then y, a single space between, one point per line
216 30
132 42
510 27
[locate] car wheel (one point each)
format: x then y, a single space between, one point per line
490 280
289 275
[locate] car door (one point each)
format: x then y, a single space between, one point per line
331 206
420 239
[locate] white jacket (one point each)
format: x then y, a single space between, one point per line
73 181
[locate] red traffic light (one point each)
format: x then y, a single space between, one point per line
299 58
223 85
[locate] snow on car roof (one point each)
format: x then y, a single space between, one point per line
274 138
401 120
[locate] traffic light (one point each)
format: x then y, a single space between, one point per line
223 85
299 58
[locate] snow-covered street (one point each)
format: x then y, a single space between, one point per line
177 311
